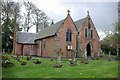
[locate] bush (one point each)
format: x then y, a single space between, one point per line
72 63
14 57
29 57
37 61
5 57
23 62
70 60
7 63
58 65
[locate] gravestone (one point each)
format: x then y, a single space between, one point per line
84 59
109 56
92 56
58 64
3 51
73 62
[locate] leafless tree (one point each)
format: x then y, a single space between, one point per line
34 17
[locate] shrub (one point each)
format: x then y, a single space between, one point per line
58 65
37 61
72 63
29 57
70 60
5 57
23 62
7 63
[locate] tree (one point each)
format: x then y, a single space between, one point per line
10 18
111 41
0 28
34 16
28 23
116 33
40 19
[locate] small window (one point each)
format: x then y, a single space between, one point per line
86 32
69 35
92 34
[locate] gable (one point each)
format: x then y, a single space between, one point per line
85 25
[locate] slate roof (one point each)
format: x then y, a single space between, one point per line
79 23
49 31
26 38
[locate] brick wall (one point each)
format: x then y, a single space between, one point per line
85 41
68 24
47 47
18 48
27 49
51 43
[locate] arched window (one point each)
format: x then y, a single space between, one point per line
92 34
86 32
69 35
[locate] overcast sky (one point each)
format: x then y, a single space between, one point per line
103 12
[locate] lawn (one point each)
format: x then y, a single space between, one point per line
101 68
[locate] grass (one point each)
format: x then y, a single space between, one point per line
101 68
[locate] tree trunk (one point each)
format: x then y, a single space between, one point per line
14 38
0 31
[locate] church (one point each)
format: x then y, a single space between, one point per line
65 34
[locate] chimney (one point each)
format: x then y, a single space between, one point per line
52 22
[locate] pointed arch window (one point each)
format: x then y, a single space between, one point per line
91 33
69 35
86 32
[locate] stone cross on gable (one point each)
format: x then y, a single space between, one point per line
68 11
88 12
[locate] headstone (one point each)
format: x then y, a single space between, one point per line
110 56
85 54
73 63
84 59
92 56
58 64
98 55
59 59
3 51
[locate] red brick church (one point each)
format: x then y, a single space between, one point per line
80 35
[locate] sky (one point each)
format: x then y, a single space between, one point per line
103 12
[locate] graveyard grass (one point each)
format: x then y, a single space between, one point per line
101 68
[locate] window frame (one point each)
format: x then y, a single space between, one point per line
92 34
85 34
69 35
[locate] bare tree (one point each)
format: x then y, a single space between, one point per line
34 16
40 19
28 23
